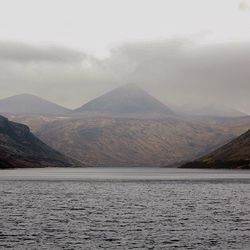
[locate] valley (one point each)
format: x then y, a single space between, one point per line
128 127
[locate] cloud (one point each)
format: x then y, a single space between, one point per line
179 71
21 52
176 71
66 76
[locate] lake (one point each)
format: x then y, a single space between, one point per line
128 208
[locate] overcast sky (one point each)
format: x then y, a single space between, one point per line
70 51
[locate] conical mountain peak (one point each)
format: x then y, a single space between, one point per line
128 98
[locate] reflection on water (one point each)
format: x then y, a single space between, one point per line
207 211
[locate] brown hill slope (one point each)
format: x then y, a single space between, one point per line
235 154
109 141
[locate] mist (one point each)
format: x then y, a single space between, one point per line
177 71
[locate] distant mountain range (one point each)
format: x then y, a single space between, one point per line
30 104
127 99
20 148
235 154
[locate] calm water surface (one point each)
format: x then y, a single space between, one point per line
124 209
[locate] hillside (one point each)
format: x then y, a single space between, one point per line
20 148
110 141
235 154
30 104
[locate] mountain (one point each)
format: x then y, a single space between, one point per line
127 99
128 127
235 154
30 104
20 148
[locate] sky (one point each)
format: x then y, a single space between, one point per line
70 51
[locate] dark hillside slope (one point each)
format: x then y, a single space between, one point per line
235 154
20 148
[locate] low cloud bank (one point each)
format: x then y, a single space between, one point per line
176 71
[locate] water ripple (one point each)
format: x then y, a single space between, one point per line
124 215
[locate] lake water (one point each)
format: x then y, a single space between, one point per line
112 208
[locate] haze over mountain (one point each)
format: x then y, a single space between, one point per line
30 104
20 148
127 99
235 154
212 110
176 70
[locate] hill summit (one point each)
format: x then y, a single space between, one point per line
30 104
126 99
